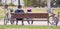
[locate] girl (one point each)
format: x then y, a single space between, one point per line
29 10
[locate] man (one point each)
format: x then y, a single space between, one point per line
54 17
19 10
6 11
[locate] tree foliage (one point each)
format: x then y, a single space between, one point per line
58 3
28 2
34 3
11 4
0 2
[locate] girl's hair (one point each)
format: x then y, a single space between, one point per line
11 10
29 11
6 6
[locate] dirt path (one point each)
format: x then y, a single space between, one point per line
36 23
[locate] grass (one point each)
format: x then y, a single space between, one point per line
1 17
1 14
28 27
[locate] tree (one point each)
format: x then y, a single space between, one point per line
0 2
34 3
27 2
58 3
11 4
42 3
18 2
38 3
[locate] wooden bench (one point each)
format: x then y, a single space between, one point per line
31 15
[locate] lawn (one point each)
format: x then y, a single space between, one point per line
28 27
1 14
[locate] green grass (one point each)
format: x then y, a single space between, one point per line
1 17
1 14
28 27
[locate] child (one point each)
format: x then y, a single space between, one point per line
55 19
6 11
29 19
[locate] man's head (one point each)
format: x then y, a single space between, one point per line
19 6
6 6
53 14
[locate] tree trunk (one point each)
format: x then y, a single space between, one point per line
0 2
5 1
18 2
11 3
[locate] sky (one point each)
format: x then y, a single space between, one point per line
14 2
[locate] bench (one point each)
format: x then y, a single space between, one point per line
31 15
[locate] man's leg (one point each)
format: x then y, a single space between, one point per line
22 21
28 21
56 23
31 21
16 21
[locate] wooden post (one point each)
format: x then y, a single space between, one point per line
48 4
48 7
5 2
0 2
18 2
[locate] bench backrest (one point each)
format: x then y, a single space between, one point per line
29 15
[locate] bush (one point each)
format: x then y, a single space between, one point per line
1 4
11 4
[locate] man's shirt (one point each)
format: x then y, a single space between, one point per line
19 11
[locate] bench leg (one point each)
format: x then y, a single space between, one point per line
16 22
28 21
22 22
31 21
48 20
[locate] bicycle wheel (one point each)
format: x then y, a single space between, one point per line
5 20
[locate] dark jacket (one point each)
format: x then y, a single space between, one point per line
19 11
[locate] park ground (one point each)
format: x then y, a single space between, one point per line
42 25
28 27
35 25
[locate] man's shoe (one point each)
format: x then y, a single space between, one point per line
22 24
